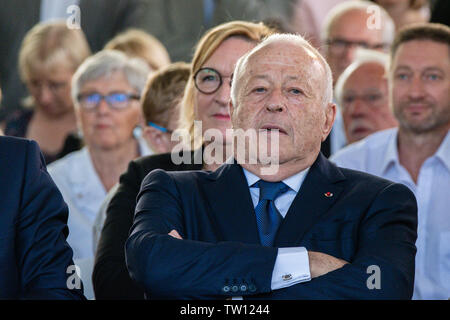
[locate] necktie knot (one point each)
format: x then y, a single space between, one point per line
271 190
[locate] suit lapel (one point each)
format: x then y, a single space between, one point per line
230 202
317 194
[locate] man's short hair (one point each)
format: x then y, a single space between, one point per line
421 31
327 95
362 57
362 5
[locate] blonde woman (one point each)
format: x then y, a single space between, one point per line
214 59
138 43
49 55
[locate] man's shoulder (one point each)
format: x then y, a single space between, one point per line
363 179
363 185
187 178
356 154
14 150
10 144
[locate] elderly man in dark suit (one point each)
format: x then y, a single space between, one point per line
294 228
35 259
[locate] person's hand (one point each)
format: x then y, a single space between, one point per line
321 263
174 233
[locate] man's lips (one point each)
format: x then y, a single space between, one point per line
360 130
416 108
271 127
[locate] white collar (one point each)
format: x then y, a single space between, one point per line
391 155
294 182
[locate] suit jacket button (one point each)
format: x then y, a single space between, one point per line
235 288
243 288
251 288
226 289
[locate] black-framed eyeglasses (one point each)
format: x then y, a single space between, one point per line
208 80
116 100
339 46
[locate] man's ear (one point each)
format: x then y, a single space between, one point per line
156 140
330 115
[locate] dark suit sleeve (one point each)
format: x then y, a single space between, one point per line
173 268
110 277
386 239
42 251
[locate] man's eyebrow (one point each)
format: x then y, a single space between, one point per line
434 69
402 67
259 76
430 68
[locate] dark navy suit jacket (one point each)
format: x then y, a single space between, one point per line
363 219
34 254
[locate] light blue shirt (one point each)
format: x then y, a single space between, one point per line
378 154
338 140
290 261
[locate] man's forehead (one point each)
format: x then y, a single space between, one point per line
353 26
426 53
283 54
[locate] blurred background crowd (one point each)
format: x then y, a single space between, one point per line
100 83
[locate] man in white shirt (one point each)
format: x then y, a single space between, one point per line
417 154
296 227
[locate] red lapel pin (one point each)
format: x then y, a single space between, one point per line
328 194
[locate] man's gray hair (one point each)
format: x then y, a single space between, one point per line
362 56
387 24
105 63
292 39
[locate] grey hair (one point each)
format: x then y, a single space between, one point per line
387 24
106 62
362 56
292 39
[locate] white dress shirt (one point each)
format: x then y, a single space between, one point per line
378 154
83 191
292 264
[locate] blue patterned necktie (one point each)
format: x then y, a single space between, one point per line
267 216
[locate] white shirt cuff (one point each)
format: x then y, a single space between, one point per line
291 267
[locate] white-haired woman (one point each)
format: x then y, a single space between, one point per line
106 90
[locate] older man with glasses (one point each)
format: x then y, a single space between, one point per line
350 25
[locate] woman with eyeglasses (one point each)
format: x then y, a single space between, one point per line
49 55
106 90
205 99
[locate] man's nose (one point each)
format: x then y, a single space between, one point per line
416 89
350 54
276 101
358 108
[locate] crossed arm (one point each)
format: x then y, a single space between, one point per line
169 267
319 263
